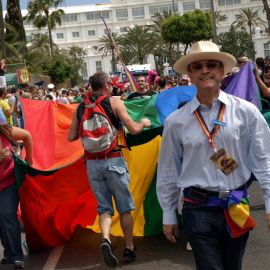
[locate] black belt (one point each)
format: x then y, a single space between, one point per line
202 195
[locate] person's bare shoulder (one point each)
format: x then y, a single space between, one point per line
117 104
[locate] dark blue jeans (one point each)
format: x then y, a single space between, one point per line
212 246
10 229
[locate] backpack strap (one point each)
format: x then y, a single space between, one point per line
100 99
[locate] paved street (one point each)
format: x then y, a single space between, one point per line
82 252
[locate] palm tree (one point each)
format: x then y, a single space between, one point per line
163 48
14 18
267 10
127 55
107 45
41 43
219 17
248 17
216 18
214 26
15 48
140 40
39 13
2 32
38 51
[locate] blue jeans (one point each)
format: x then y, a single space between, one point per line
110 178
10 229
212 246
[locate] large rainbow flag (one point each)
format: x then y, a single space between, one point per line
55 194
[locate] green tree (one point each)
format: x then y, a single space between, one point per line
15 49
139 40
41 42
59 68
107 45
188 28
39 13
249 17
38 53
76 56
127 55
237 43
15 19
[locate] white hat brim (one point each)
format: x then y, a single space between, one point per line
227 59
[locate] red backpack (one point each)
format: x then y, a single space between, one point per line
97 133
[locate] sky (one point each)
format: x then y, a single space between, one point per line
23 3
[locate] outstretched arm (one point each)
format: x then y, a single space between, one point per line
132 126
19 134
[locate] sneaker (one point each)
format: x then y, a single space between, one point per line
129 255
18 264
109 257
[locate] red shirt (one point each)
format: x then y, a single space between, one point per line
7 173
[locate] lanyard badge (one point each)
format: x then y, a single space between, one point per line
221 158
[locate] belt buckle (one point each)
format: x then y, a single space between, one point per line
223 194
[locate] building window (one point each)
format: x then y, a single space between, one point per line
138 12
91 33
228 2
94 16
161 9
205 4
60 35
121 13
187 6
75 34
98 66
70 18
266 48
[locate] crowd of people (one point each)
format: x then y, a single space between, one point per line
201 172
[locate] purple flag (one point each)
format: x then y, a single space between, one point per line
244 85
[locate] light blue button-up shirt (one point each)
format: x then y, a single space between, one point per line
185 151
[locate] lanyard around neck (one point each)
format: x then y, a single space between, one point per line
213 133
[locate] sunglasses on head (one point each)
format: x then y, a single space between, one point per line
211 64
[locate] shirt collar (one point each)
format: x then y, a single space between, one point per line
195 103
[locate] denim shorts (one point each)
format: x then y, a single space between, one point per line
110 178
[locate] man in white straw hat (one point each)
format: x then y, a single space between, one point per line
209 148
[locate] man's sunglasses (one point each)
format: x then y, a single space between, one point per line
211 64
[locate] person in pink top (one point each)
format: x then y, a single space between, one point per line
10 230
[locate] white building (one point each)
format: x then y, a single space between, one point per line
82 25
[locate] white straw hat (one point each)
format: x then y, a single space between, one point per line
204 50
